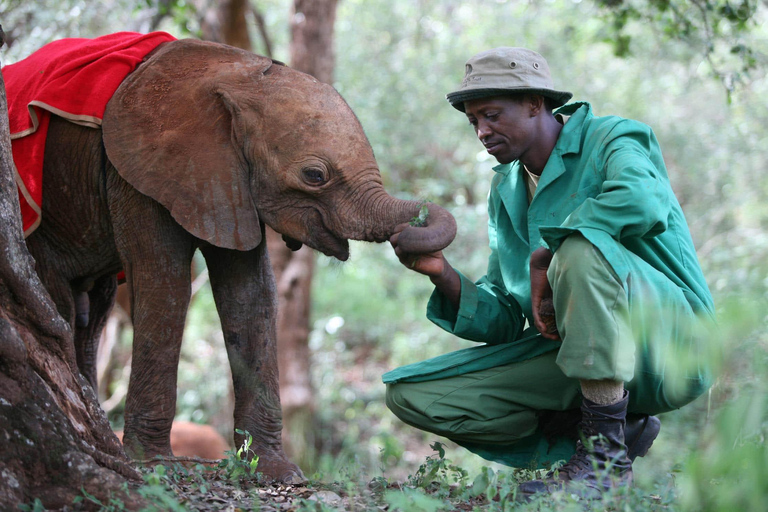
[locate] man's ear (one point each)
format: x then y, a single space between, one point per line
536 104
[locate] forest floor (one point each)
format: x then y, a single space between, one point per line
220 493
175 487
235 485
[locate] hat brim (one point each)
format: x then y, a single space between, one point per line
457 99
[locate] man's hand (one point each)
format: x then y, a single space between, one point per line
541 294
432 264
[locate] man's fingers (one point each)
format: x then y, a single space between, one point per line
547 315
405 259
399 229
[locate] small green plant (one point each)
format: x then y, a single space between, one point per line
303 505
437 470
35 506
112 505
158 489
238 465
420 220
414 500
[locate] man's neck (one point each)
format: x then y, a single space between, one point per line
550 131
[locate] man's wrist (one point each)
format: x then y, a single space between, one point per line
449 284
445 277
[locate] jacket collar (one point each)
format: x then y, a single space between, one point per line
570 136
569 142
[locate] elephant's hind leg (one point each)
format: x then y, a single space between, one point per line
99 301
244 290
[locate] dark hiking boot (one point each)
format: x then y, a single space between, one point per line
600 462
640 432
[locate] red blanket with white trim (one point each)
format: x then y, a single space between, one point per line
73 78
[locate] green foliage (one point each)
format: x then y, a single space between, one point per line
158 489
35 506
303 505
729 468
415 500
720 29
420 220
438 468
731 474
114 504
241 463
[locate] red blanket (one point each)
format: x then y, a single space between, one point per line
73 78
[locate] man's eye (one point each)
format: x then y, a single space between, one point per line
313 176
492 117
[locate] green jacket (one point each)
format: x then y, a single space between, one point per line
605 179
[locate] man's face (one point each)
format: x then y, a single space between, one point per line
504 125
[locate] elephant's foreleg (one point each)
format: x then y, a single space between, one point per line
244 290
99 300
160 297
156 254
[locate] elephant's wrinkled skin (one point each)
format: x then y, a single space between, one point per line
200 147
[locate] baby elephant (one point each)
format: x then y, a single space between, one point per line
201 146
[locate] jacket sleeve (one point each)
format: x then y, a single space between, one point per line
634 198
487 313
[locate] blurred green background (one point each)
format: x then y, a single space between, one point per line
704 95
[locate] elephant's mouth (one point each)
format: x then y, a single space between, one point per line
335 247
329 245
292 243
323 239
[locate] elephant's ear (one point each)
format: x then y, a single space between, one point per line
173 133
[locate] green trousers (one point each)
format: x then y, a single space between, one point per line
642 332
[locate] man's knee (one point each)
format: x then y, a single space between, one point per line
573 252
409 405
399 401
394 399
577 260
575 246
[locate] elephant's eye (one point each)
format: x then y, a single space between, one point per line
313 176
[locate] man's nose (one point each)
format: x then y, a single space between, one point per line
482 131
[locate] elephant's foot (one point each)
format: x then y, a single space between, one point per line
277 467
137 449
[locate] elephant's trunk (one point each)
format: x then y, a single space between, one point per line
386 213
436 234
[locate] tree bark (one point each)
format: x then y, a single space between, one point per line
312 49
225 22
54 437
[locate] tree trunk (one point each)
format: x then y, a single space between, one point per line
54 437
312 49
224 21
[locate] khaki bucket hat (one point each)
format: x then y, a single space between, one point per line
503 71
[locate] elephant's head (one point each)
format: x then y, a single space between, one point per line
225 139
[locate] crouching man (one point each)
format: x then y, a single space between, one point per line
593 310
